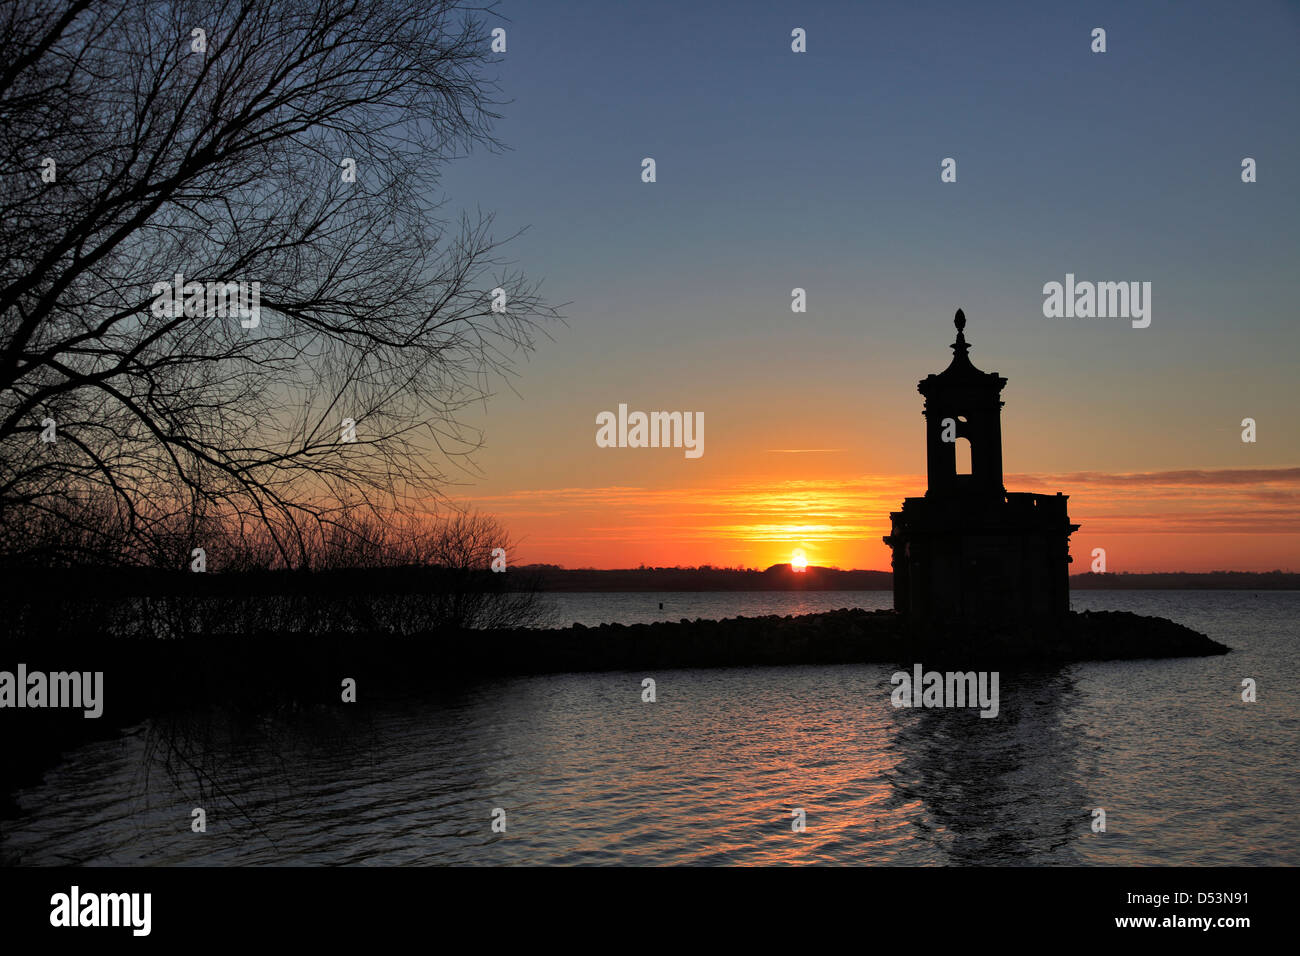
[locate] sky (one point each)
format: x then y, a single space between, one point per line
820 170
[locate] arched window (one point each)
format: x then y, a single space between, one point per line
963 456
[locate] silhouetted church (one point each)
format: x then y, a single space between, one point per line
968 551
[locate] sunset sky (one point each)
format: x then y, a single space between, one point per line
821 170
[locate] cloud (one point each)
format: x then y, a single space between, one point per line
1226 477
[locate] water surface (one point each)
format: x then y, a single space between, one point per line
710 773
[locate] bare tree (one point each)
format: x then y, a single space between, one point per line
294 144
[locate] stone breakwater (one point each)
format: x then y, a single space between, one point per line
834 637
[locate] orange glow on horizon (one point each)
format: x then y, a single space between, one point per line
1192 520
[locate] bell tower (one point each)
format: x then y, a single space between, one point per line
963 404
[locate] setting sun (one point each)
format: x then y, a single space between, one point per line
798 561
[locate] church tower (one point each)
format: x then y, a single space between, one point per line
970 553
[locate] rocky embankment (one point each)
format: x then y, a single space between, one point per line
833 637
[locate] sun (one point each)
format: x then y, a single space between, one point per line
798 560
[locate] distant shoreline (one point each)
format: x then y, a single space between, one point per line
549 578
56 585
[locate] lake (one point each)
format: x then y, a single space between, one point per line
584 772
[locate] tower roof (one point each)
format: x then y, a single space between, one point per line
960 373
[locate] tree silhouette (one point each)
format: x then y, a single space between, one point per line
139 140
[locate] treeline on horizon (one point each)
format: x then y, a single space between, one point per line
780 577
395 576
